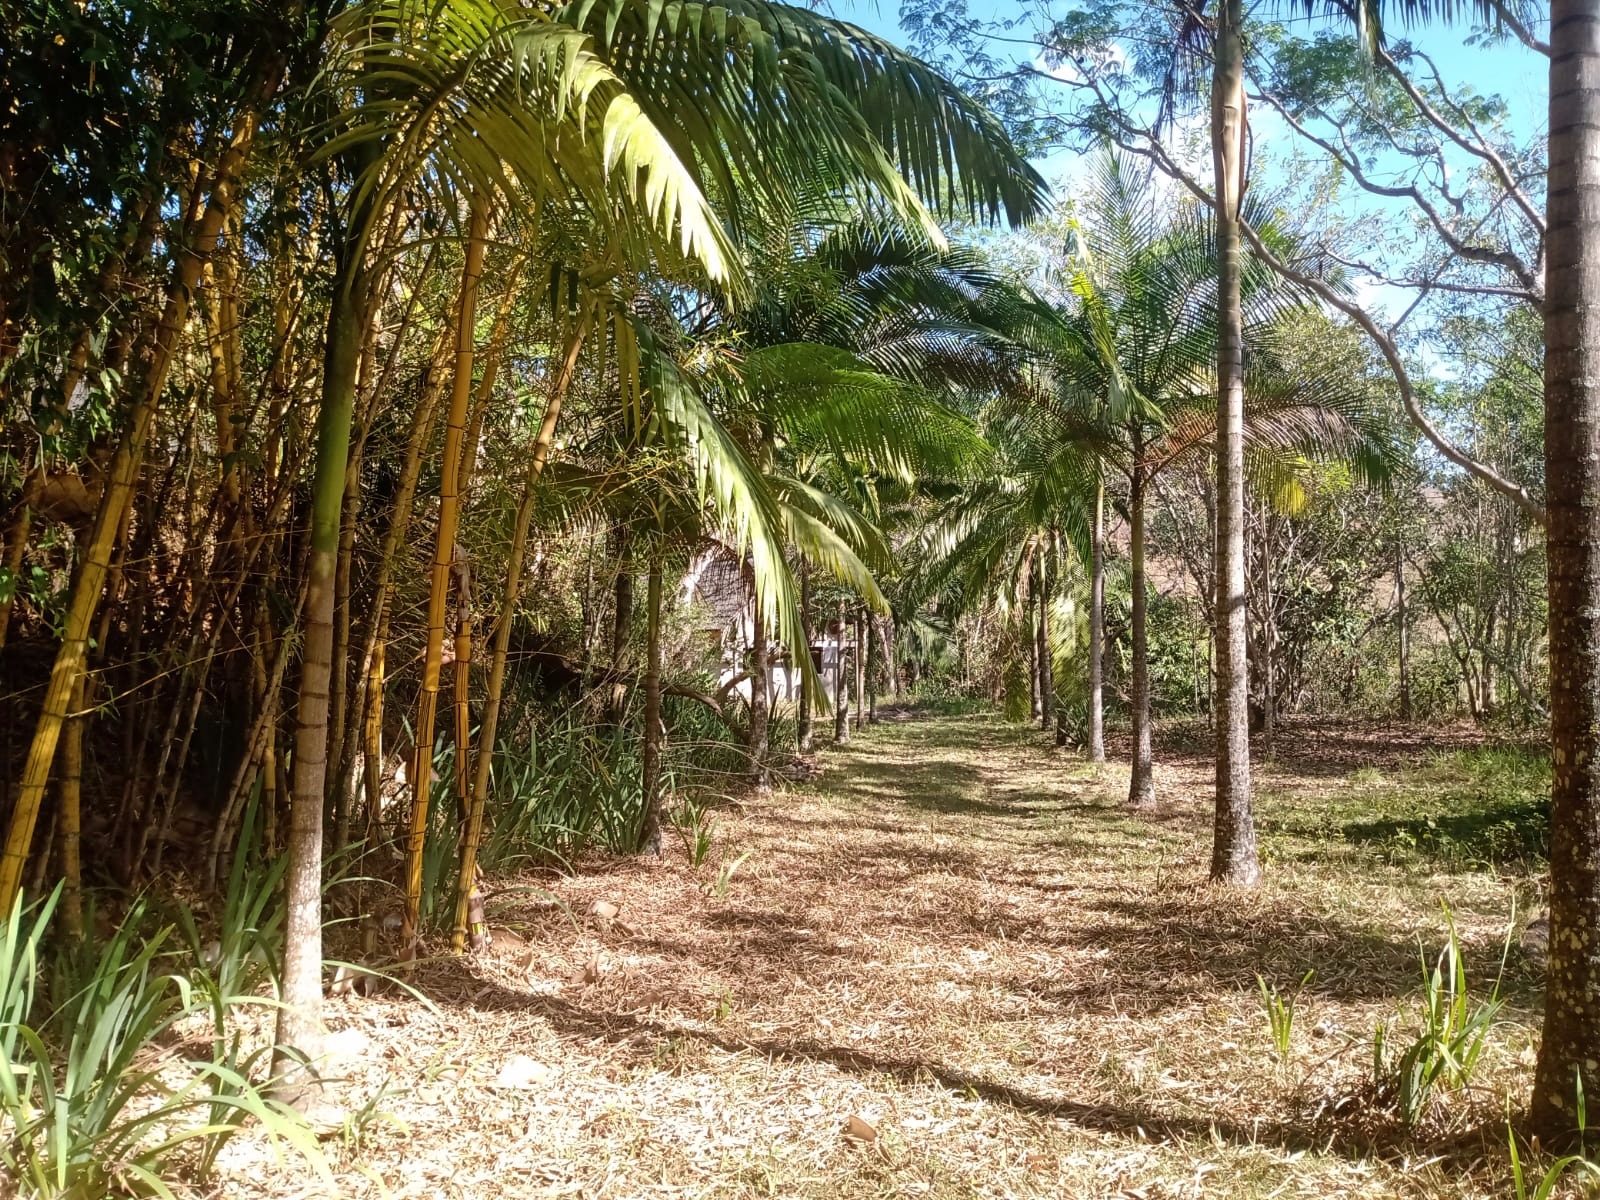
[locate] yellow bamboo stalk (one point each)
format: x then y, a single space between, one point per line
466 883
87 589
463 664
444 546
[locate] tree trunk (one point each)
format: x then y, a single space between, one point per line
369 687
841 688
650 755
71 816
1141 780
1269 643
462 672
1233 854
861 669
1047 682
300 1033
622 622
804 736
1030 629
1572 472
443 552
873 655
489 729
1404 632
891 662
89 585
1097 611
260 753
758 692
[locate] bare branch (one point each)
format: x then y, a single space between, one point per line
1438 285
1477 145
1507 260
1153 151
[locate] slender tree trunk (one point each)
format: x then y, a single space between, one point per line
1269 643
438 594
891 657
650 757
1141 780
841 688
462 672
260 753
471 921
1030 634
873 658
758 693
488 730
300 1033
1572 472
71 820
1233 854
1404 632
804 737
621 625
369 687
1047 683
1097 611
90 583
476 925
861 670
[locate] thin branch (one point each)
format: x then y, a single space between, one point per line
1477 145
1155 152
1438 285
1505 259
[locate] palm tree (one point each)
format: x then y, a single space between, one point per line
534 106
853 330
1572 406
1130 363
1233 850
1566 1070
984 546
1233 858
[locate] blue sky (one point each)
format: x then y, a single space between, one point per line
1508 70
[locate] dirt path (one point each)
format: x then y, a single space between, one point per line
957 936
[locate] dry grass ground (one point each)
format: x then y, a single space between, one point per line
958 936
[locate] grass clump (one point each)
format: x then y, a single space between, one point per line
1447 1048
92 1101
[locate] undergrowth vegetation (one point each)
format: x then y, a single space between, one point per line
122 1067
568 786
1461 810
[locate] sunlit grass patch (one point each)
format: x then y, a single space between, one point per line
1460 810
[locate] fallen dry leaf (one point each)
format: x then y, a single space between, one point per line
859 1130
